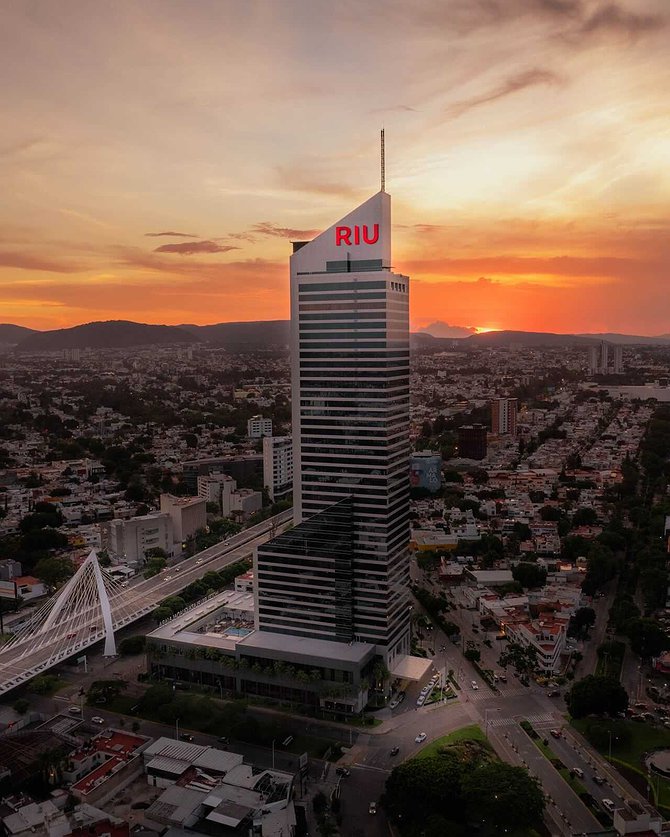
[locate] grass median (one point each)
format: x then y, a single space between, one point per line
469 733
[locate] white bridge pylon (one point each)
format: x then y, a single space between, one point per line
90 606
80 594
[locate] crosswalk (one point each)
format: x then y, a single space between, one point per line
484 693
538 722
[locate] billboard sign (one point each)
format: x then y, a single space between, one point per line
8 590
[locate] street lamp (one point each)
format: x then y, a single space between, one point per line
176 728
273 753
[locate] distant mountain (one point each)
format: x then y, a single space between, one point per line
240 336
13 334
528 339
629 339
113 334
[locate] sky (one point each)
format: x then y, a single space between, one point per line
157 156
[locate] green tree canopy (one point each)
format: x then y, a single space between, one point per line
54 571
596 696
529 575
647 638
503 797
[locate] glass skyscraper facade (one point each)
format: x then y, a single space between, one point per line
350 386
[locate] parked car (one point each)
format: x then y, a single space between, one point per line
97 719
554 693
608 805
421 700
556 733
394 704
502 678
342 771
395 751
74 710
474 685
421 737
598 779
578 772
185 736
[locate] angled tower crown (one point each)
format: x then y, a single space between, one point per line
364 235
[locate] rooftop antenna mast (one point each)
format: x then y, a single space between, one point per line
383 163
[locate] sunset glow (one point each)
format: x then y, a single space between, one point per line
158 158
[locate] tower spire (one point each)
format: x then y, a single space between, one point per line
383 162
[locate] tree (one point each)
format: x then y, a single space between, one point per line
550 513
623 611
504 797
585 517
647 638
472 655
523 658
132 645
584 618
596 695
54 571
529 575
21 706
420 788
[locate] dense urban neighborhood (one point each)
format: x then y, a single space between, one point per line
540 520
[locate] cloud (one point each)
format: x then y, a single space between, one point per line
441 329
612 18
267 228
395 109
187 248
172 234
511 85
26 261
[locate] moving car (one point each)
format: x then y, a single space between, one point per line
342 771
578 772
185 736
372 808
474 685
555 732
74 710
421 737
97 719
608 805
395 751
598 779
554 693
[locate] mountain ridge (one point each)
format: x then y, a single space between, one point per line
259 334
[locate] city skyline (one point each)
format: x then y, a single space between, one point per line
160 158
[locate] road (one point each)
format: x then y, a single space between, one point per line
77 631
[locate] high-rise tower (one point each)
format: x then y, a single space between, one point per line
350 388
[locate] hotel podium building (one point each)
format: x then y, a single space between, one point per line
332 592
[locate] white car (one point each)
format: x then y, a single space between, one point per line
474 685
421 737
608 805
421 700
168 578
98 720
394 704
199 561
74 710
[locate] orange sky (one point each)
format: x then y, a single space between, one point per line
157 157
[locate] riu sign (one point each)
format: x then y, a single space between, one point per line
356 235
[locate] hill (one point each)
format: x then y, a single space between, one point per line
112 334
240 336
528 339
630 339
13 334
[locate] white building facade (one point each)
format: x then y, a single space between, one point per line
278 466
258 426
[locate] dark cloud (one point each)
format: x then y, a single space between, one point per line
267 228
612 18
513 84
240 236
441 329
188 248
172 234
26 261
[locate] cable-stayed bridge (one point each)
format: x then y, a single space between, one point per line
92 605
